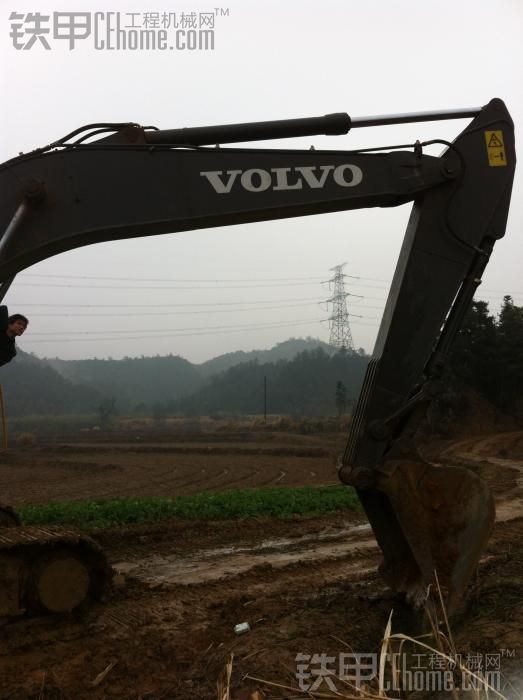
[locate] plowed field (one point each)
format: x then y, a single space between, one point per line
305 586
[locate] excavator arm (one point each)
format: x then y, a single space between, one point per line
136 181
104 191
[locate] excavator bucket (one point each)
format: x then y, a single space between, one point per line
429 519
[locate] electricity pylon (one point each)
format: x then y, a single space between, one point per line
340 336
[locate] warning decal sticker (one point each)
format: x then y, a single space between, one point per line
495 148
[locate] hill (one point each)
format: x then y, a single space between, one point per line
150 384
303 386
144 381
286 350
134 381
31 386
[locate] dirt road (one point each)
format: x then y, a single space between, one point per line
305 586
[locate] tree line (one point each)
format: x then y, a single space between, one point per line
488 356
303 386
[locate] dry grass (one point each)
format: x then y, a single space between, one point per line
26 440
390 679
223 685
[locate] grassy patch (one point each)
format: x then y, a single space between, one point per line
227 505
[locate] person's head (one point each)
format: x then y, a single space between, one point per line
16 325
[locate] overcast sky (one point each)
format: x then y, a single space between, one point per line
202 293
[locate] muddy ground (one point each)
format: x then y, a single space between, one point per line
305 586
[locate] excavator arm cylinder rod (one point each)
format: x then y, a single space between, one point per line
411 117
15 223
329 125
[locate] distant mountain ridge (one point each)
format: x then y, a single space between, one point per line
133 380
286 350
301 375
31 387
39 386
302 386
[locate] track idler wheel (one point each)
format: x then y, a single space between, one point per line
65 579
61 582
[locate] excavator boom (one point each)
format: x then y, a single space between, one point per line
136 181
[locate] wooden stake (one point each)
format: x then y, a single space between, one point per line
4 422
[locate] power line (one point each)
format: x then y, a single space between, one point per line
170 305
385 286
173 313
107 286
490 299
169 279
182 335
218 280
163 330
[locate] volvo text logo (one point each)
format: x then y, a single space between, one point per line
258 180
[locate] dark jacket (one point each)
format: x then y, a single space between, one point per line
7 344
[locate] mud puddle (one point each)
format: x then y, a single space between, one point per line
223 562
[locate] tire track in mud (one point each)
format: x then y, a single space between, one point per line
184 589
225 562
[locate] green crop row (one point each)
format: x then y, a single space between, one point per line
227 505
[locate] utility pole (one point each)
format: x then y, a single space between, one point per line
341 336
265 399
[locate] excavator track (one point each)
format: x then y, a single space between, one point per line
49 570
8 517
